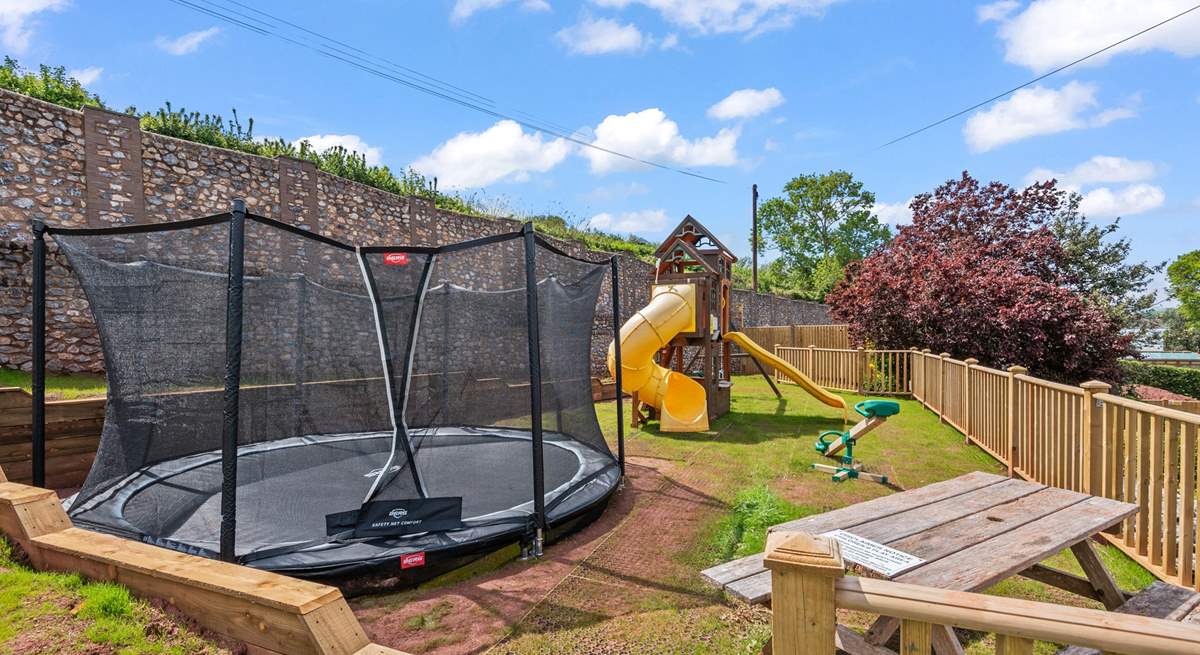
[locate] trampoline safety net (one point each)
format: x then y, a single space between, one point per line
385 399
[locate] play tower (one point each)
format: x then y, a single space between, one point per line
675 351
676 365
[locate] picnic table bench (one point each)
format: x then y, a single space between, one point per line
972 532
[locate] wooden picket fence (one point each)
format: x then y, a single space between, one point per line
878 372
821 336
1085 439
1081 438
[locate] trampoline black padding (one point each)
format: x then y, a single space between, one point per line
285 498
294 403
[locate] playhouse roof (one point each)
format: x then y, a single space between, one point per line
690 227
675 244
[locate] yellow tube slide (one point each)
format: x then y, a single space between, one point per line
680 400
766 357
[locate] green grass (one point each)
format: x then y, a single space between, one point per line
58 387
744 530
42 612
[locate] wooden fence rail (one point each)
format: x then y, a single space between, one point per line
1080 438
72 435
821 336
809 585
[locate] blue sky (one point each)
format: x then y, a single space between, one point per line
742 91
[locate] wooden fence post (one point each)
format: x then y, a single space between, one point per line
804 569
796 329
862 370
809 362
925 377
1093 438
970 362
942 375
913 354
1013 372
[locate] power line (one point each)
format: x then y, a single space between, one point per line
1036 79
404 76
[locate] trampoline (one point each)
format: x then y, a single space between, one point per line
293 403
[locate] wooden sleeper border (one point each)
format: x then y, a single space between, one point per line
266 610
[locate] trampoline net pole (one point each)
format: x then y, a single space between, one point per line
535 383
233 376
616 326
38 388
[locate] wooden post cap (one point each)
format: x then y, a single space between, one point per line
1018 370
944 355
970 361
926 350
1096 386
809 553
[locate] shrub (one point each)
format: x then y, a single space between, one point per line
52 85
1175 379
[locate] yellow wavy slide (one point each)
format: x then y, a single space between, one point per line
680 400
766 357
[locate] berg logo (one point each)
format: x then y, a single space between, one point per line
398 513
412 560
395 258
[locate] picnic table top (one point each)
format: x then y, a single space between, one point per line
972 531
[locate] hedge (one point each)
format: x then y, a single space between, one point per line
1176 379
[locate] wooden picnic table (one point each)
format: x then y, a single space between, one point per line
972 531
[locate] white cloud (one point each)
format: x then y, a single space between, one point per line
1101 169
725 16
503 152
602 36
17 24
1038 110
186 44
1050 33
770 145
649 134
669 42
746 103
352 142
1133 199
996 11
893 213
644 221
86 76
464 9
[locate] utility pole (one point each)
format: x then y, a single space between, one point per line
754 233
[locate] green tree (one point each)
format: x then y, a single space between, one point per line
1178 333
1184 277
822 221
1096 264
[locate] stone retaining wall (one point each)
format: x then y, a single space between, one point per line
95 168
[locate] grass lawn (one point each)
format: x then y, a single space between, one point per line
58 387
45 613
697 500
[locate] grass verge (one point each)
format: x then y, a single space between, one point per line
58 387
61 613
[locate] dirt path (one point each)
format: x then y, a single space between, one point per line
629 561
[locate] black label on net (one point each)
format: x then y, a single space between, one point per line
384 518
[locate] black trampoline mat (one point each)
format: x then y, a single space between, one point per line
287 487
